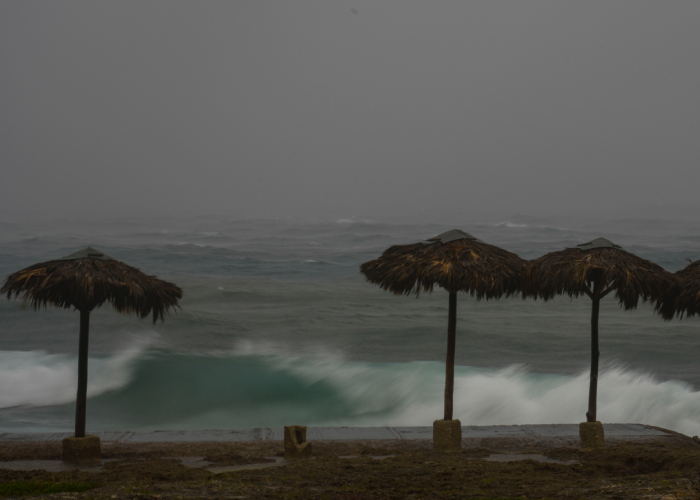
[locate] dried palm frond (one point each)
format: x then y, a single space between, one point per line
572 271
87 283
688 299
461 265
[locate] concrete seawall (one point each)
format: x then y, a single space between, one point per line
570 431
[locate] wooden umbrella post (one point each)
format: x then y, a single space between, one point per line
591 432
450 361
595 355
447 433
82 447
81 397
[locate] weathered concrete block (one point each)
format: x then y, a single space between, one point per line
592 435
295 444
85 449
447 435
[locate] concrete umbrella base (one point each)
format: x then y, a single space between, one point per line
447 435
592 435
81 450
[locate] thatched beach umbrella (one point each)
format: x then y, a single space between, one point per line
687 300
86 280
455 261
595 269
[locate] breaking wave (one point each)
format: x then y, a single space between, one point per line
146 389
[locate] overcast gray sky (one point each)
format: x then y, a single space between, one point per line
312 108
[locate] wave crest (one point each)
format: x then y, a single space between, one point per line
257 386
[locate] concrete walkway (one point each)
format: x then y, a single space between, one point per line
553 435
347 433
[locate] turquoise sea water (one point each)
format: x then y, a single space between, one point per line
277 326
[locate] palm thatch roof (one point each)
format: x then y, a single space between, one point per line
88 279
455 261
688 299
573 270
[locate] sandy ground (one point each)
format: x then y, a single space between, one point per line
652 468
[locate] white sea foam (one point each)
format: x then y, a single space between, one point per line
407 394
411 394
354 221
510 224
335 391
284 354
38 378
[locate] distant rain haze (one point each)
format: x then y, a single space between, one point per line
334 109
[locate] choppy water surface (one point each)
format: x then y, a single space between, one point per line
278 327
